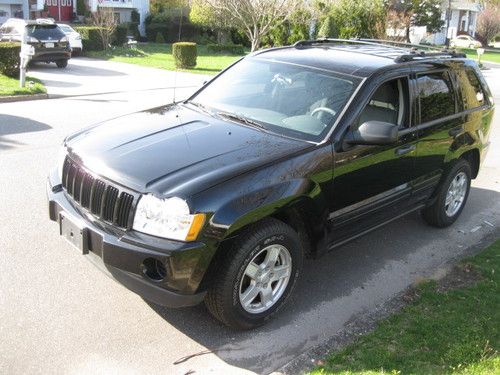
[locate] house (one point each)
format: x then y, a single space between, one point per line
13 9
122 9
65 10
463 20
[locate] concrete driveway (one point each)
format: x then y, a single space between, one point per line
85 76
60 315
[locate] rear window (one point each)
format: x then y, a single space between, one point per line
436 96
43 32
470 88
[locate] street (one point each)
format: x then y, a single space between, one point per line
60 315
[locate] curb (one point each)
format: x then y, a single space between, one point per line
21 98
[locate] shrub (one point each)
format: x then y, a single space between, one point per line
159 38
121 33
185 54
91 39
135 16
235 49
9 58
327 29
80 7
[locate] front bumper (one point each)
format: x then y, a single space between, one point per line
122 256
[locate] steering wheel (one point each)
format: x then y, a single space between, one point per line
323 109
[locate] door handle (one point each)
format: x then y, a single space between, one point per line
405 149
456 131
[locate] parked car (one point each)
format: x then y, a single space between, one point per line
74 37
48 40
465 41
289 153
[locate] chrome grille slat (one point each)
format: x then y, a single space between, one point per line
102 199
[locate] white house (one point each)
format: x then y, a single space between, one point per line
123 9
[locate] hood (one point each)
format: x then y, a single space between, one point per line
175 150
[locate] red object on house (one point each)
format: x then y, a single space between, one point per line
60 10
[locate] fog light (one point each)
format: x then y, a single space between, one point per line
154 269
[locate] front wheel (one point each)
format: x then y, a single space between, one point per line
62 64
256 276
451 196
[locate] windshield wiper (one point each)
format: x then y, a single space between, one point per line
203 107
242 119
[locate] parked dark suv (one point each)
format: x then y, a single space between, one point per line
49 42
288 153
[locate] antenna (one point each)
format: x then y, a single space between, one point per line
175 82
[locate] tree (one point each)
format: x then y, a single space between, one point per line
202 14
327 30
362 18
254 17
403 14
488 22
105 20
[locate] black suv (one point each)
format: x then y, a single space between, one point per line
288 153
49 42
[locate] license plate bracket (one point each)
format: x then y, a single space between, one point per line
49 45
73 233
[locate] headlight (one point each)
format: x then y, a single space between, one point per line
63 39
167 218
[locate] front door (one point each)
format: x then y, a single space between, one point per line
60 10
373 184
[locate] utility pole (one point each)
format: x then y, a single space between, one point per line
448 16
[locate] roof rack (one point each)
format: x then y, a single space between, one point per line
413 51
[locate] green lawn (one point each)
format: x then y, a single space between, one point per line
488 56
160 56
453 331
10 86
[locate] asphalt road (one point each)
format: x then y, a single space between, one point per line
60 315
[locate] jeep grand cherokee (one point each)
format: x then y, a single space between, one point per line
288 153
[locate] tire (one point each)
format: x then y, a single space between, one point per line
441 214
62 64
232 284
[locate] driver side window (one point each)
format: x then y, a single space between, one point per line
388 104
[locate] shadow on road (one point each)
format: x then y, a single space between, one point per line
15 125
333 276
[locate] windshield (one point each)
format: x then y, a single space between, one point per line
44 32
287 99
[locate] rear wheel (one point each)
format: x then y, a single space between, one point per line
451 196
62 63
256 276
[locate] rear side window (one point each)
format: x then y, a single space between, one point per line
436 95
470 88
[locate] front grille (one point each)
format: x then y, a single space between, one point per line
105 201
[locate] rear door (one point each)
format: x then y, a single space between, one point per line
437 121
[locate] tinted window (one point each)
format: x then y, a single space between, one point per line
387 104
436 94
43 32
470 88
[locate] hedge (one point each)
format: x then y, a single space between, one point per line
185 54
235 49
91 38
9 58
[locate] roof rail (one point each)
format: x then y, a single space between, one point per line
417 55
414 50
304 43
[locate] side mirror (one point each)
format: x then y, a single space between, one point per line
373 133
